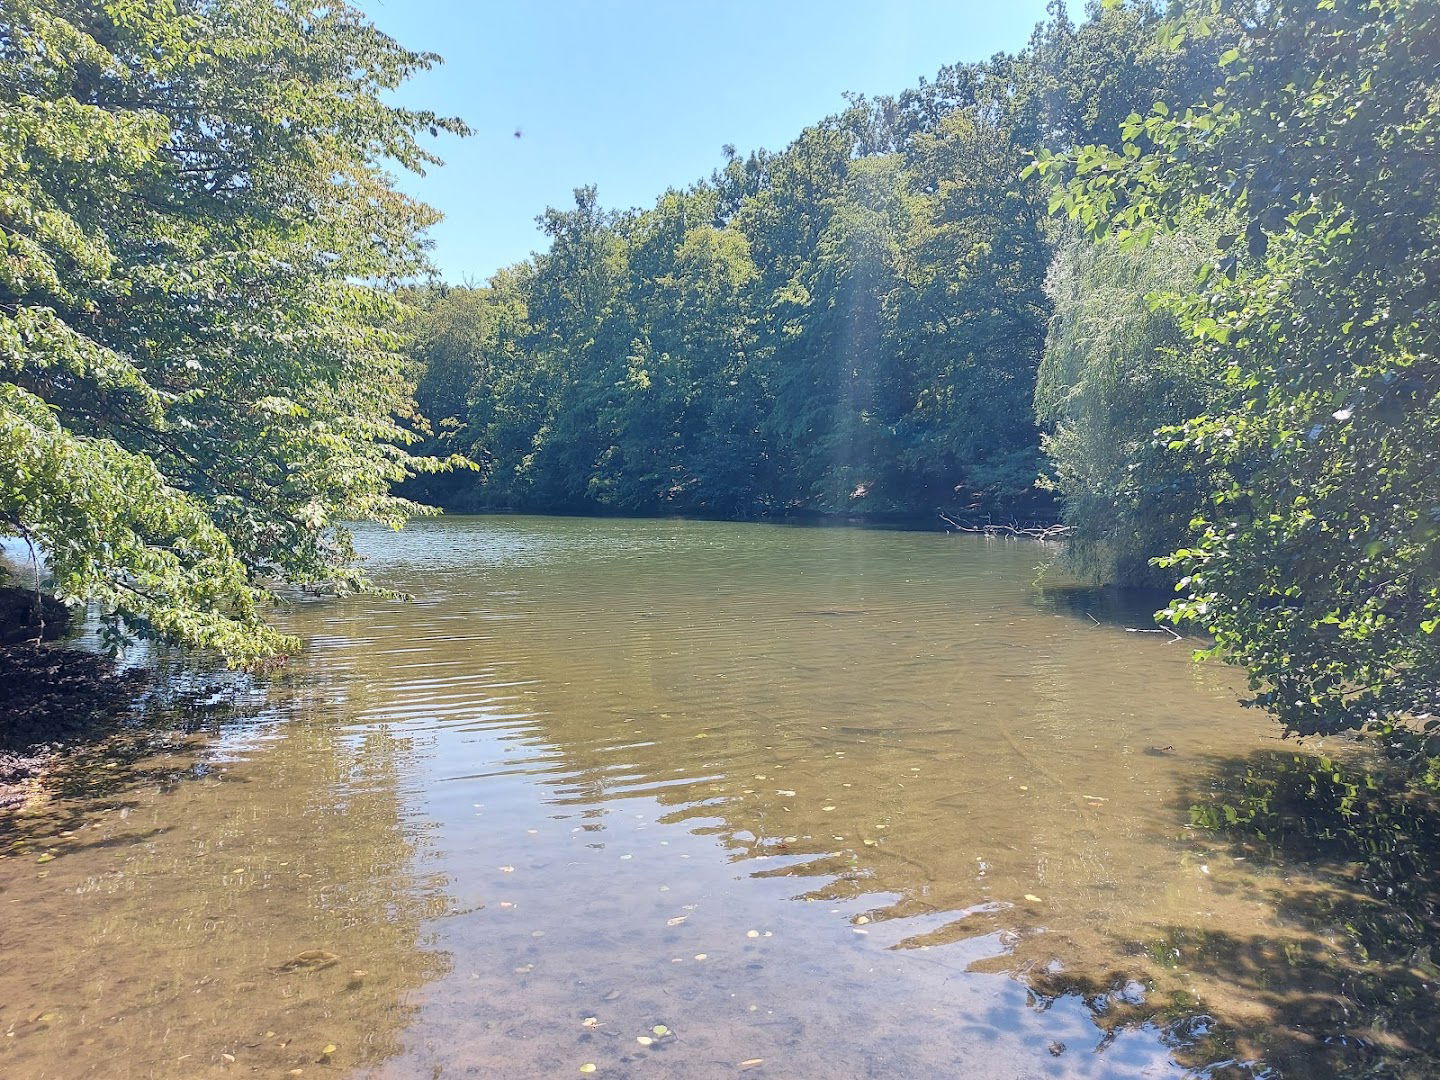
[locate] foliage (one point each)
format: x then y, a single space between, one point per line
1316 562
851 324
1116 368
200 373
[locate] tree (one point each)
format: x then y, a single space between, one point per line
1316 560
1118 368
453 336
686 309
973 314
197 342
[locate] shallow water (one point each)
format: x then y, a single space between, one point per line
790 802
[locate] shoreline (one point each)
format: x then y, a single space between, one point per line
60 699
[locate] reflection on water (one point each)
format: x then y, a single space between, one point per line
677 799
174 910
1353 979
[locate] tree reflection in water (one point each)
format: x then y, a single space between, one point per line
1347 984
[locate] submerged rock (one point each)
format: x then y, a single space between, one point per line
309 960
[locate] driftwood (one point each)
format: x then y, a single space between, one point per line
1044 532
1014 528
1142 629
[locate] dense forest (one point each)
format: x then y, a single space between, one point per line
853 324
1169 272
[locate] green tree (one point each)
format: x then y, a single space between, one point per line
1117 368
974 311
1316 562
199 374
457 337
831 331
687 305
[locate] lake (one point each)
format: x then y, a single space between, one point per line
676 799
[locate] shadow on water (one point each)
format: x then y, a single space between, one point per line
174 910
1120 1003
128 736
1346 983
1105 604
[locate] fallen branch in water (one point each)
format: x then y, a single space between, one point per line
1157 630
1030 532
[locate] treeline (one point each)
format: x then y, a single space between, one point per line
850 325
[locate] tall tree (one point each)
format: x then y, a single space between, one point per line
199 377
1316 562
1117 369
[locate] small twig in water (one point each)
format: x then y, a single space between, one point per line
1157 630
1039 532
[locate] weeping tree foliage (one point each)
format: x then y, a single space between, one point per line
199 374
1117 369
1315 561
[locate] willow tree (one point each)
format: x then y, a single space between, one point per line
1316 559
1117 369
199 379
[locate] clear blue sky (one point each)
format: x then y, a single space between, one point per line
638 96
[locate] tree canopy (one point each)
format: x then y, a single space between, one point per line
199 373
849 325
1117 366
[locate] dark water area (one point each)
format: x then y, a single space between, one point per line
694 799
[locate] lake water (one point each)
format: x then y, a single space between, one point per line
784 802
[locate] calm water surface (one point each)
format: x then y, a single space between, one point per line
789 802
